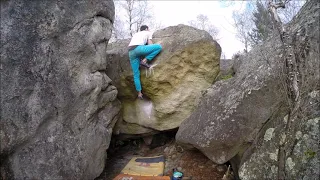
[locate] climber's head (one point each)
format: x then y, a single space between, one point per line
144 28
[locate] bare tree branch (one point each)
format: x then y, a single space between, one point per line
136 14
243 24
202 22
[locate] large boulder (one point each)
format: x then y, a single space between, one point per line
238 112
288 144
226 66
302 157
58 106
187 65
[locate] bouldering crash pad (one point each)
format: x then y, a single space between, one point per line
133 177
142 168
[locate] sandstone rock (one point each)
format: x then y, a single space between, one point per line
300 141
187 65
123 127
302 149
226 69
226 66
58 107
233 112
147 140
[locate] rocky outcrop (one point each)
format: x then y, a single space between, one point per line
226 66
302 159
58 107
187 65
249 108
226 69
288 145
233 110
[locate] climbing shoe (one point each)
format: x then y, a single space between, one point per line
140 97
145 64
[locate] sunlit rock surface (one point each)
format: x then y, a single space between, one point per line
187 65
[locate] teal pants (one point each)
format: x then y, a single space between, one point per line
144 51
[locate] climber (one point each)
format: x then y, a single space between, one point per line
141 50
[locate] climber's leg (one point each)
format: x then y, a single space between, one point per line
135 63
148 51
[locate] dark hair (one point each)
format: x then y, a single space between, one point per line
144 27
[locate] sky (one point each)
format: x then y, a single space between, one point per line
170 13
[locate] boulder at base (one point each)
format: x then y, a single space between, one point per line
187 65
244 110
58 107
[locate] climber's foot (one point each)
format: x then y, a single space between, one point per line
145 64
140 95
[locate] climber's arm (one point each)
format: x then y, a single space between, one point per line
149 38
149 42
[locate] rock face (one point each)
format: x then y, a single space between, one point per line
250 107
187 65
299 134
301 161
226 66
57 104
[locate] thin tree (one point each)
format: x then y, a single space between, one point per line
263 19
129 16
243 25
202 22
137 14
263 25
118 30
